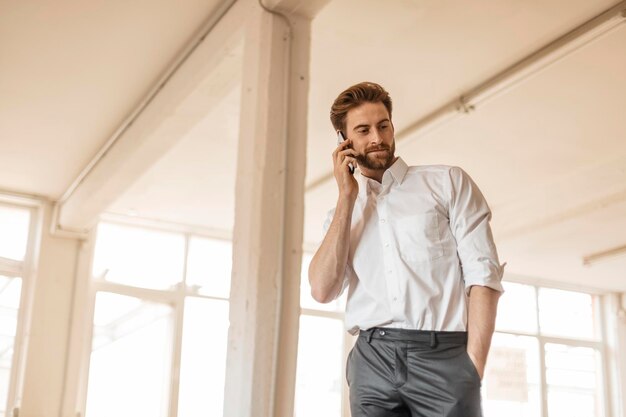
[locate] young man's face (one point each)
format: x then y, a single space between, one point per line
371 131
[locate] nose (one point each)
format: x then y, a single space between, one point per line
376 138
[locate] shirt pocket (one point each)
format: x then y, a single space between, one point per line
418 237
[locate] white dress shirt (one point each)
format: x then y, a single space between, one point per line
418 241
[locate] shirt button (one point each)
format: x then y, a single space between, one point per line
382 220
395 298
389 271
381 332
386 245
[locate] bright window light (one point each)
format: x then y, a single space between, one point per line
319 378
14 225
203 362
566 313
10 293
129 370
209 266
512 382
139 257
517 308
573 388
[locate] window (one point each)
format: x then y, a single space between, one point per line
160 323
323 346
546 355
16 226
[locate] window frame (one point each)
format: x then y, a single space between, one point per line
348 339
175 298
25 270
600 344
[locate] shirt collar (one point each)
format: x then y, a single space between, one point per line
397 171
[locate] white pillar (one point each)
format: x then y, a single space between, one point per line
294 215
269 213
47 338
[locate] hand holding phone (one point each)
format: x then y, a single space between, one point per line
341 138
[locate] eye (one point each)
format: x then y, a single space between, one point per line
363 131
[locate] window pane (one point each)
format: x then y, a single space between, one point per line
209 266
10 292
319 377
517 309
203 366
306 300
14 224
572 375
511 386
139 257
130 358
566 313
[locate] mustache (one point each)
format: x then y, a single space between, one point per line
377 148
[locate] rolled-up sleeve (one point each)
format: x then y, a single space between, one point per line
469 222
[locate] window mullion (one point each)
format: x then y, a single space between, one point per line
322 313
158 296
572 342
11 268
348 343
179 313
542 359
177 345
24 313
600 323
87 348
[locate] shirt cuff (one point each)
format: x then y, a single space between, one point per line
493 279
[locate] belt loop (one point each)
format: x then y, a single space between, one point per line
433 340
369 335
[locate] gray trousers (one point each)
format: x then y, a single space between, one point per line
412 373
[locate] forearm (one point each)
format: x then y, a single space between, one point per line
327 268
481 320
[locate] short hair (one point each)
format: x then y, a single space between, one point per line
365 92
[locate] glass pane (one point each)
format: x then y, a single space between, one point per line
566 313
209 266
306 300
511 386
130 358
517 308
203 366
139 257
563 403
10 293
14 224
319 382
573 378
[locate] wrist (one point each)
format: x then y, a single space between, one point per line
478 364
347 197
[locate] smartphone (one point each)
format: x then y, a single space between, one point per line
341 138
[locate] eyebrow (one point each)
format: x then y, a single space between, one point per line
366 125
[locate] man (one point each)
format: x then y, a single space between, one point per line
414 247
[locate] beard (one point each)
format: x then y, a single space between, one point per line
382 161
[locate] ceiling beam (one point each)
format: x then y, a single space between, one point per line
506 79
204 74
303 8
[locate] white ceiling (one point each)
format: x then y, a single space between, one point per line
71 72
549 155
